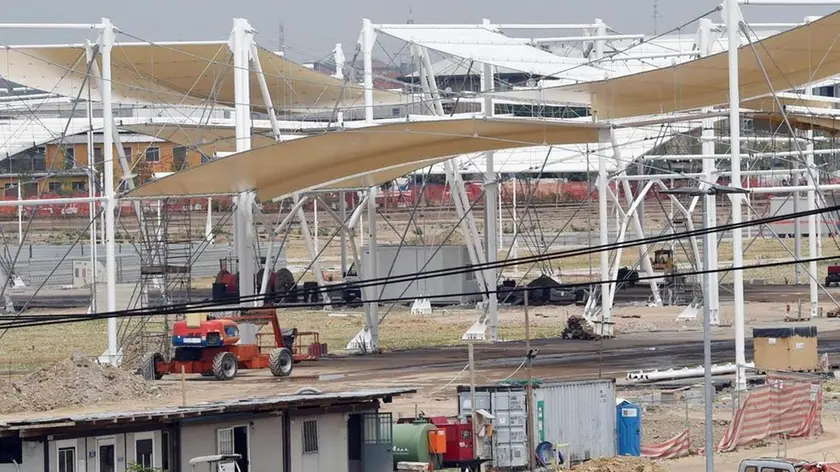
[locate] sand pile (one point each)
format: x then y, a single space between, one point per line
620 464
78 381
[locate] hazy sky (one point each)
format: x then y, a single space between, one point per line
313 27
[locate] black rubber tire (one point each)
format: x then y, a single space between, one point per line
284 280
280 362
148 366
225 366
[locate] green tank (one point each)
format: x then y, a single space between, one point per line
411 444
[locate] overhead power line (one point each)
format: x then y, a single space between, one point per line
211 306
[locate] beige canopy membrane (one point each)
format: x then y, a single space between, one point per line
209 139
829 125
181 74
771 104
330 158
805 54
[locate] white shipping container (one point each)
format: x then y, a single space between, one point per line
827 223
394 260
578 413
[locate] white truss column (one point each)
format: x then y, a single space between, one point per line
107 42
733 16
243 216
491 194
600 33
457 189
814 232
633 212
367 340
308 242
603 322
710 177
459 195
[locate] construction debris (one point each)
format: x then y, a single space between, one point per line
620 464
74 382
578 328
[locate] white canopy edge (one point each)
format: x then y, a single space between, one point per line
490 47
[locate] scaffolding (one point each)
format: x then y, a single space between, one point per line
167 246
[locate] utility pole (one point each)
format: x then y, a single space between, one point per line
529 388
473 406
709 240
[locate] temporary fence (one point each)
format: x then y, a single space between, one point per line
678 446
672 422
785 406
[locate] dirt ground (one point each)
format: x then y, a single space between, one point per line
26 349
31 348
822 448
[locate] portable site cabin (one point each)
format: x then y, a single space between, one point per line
342 432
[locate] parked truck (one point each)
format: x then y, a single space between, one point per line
833 275
773 464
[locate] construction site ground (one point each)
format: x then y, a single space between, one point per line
425 352
436 369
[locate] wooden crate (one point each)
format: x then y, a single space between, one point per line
787 349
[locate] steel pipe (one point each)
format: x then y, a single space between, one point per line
684 373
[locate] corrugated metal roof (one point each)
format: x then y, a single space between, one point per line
255 404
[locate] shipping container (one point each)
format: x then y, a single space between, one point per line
827 223
578 413
395 260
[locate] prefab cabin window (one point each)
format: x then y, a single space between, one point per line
310 437
11 450
143 452
67 459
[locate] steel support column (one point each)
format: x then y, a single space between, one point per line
732 27
371 263
243 215
710 177
107 42
604 319
311 247
491 193
633 212
814 231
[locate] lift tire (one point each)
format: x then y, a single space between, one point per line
280 362
148 366
225 366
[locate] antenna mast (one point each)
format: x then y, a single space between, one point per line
281 38
656 16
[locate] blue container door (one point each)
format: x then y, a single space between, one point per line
629 422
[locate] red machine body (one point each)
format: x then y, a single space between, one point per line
459 441
221 332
